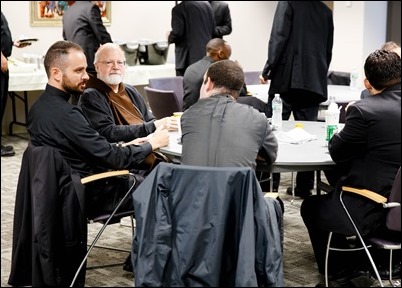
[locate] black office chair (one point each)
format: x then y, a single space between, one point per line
108 218
50 219
206 226
338 78
393 223
163 103
174 83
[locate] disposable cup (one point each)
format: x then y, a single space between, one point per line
177 115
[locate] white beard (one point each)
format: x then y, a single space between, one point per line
113 79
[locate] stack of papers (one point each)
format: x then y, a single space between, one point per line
295 136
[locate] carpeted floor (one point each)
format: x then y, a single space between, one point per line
299 263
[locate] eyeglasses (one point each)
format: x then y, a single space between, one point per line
112 63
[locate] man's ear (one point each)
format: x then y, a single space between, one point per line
209 85
368 85
57 74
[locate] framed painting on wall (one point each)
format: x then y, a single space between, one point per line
50 13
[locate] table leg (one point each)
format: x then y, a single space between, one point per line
24 100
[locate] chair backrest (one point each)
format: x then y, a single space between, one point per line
49 193
394 214
338 78
163 103
169 83
185 214
252 77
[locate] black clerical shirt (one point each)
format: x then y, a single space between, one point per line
53 121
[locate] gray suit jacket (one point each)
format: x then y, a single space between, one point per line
217 131
82 24
192 81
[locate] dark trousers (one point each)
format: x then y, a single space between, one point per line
339 262
4 95
304 180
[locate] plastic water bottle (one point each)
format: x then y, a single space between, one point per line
331 118
354 75
277 112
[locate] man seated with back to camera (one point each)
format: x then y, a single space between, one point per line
390 46
53 121
218 131
367 152
216 50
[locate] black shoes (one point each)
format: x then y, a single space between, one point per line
7 151
383 270
353 279
299 193
128 264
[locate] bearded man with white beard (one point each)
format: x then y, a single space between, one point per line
117 111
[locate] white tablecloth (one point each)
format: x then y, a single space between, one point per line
342 93
21 80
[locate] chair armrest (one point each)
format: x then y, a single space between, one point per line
391 204
366 193
103 175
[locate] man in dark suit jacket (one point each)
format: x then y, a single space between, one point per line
216 49
300 51
368 149
193 25
82 24
223 20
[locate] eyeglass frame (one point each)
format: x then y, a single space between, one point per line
111 63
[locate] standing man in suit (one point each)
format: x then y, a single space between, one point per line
7 44
368 149
223 20
193 25
82 24
299 54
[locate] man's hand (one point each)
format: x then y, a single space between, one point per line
19 44
262 80
170 123
159 138
4 63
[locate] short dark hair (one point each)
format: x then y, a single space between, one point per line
226 74
56 54
383 69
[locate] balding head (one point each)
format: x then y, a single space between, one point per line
106 49
218 49
392 46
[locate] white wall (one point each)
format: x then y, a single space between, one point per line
359 29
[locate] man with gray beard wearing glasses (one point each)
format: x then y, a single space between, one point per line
117 111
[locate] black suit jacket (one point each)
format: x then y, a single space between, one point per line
300 48
369 146
50 229
82 24
223 19
193 25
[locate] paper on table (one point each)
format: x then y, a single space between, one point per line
295 136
